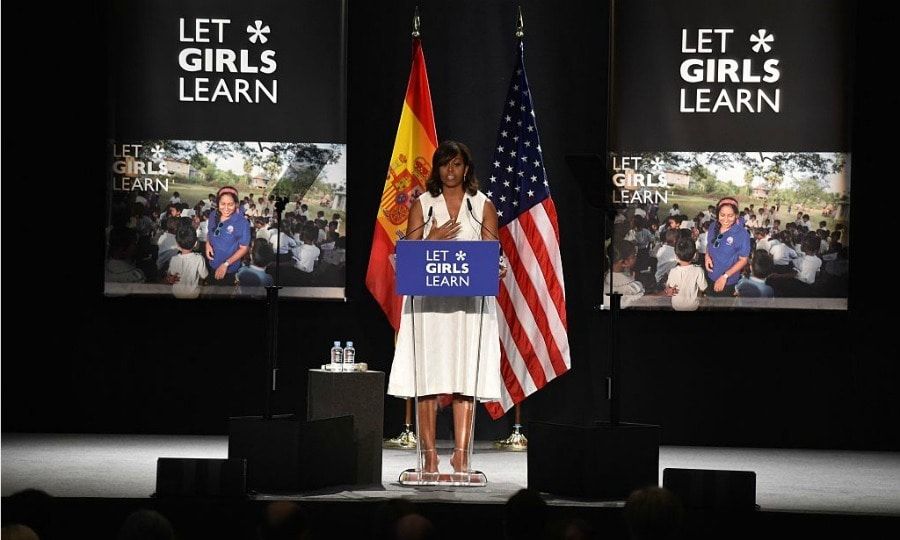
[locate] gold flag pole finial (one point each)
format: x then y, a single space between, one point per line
415 32
520 26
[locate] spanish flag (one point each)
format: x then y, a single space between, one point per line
409 169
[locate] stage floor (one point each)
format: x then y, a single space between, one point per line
124 466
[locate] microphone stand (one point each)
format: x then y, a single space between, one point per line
516 441
606 203
272 317
585 167
404 439
425 222
615 307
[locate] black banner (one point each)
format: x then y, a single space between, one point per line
694 75
232 70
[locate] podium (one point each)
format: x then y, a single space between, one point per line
427 268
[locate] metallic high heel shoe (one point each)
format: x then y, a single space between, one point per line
430 471
460 460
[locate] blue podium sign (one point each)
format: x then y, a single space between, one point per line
448 267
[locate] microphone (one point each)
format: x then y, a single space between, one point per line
472 213
430 212
490 232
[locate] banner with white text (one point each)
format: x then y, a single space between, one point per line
224 115
729 154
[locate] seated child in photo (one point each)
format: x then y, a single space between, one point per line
623 255
808 265
120 267
755 286
255 275
306 255
665 255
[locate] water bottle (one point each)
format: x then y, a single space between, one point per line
349 356
337 356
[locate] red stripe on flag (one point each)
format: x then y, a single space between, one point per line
554 289
495 409
380 276
517 331
513 387
510 381
388 196
558 291
550 208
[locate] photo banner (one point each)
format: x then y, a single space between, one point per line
206 95
729 154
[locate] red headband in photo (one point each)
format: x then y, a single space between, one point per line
227 189
727 200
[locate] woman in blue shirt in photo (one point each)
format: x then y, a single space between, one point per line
727 249
228 238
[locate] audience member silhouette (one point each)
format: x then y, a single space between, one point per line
146 525
524 516
284 520
17 532
653 513
31 508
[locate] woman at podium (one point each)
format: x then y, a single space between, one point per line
442 355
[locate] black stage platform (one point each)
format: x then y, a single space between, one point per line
98 479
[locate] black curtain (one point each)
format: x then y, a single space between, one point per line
136 365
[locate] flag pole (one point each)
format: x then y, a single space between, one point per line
516 442
407 438
520 25
609 214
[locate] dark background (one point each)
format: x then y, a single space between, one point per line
78 362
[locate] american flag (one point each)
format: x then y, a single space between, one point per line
534 343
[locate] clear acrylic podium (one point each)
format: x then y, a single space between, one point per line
414 279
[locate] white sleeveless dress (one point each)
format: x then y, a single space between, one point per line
447 329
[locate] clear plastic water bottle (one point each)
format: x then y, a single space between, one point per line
349 357
337 357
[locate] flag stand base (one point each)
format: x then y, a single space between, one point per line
516 442
405 441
